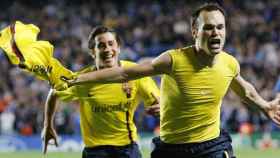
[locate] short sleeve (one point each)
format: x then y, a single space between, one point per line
148 90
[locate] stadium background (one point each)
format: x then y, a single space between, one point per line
147 28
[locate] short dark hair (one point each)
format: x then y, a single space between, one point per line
206 7
100 30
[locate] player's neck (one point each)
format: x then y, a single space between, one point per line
203 58
99 67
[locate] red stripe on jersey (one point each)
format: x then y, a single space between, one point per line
14 45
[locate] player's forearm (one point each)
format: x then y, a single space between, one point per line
109 75
50 107
115 74
253 98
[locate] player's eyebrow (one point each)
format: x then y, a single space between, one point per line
208 26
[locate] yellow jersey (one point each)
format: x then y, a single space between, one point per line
19 43
191 96
107 110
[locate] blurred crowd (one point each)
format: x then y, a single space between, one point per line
147 28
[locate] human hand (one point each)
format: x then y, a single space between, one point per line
48 133
69 81
154 109
65 82
273 111
61 86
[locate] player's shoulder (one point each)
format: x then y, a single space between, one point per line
228 56
182 50
230 60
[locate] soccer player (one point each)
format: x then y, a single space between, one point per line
195 80
106 110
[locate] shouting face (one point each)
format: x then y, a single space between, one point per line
209 32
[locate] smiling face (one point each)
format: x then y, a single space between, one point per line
209 32
106 50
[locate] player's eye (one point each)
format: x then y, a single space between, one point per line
111 43
101 45
220 27
208 27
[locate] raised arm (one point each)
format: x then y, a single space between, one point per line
48 131
251 97
160 65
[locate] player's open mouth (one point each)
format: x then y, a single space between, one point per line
214 43
107 57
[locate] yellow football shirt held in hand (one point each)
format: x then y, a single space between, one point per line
19 43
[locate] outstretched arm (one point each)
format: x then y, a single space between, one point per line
48 131
159 65
251 97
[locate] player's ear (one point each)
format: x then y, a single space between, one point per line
194 32
92 53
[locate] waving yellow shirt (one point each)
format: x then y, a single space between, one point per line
19 43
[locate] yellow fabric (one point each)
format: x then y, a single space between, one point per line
104 109
191 98
58 70
37 55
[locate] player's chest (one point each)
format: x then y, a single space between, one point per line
112 93
209 81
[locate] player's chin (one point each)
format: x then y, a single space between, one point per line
215 51
109 64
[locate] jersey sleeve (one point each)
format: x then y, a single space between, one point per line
148 90
236 67
233 64
16 39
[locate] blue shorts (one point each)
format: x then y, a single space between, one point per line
216 148
108 151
